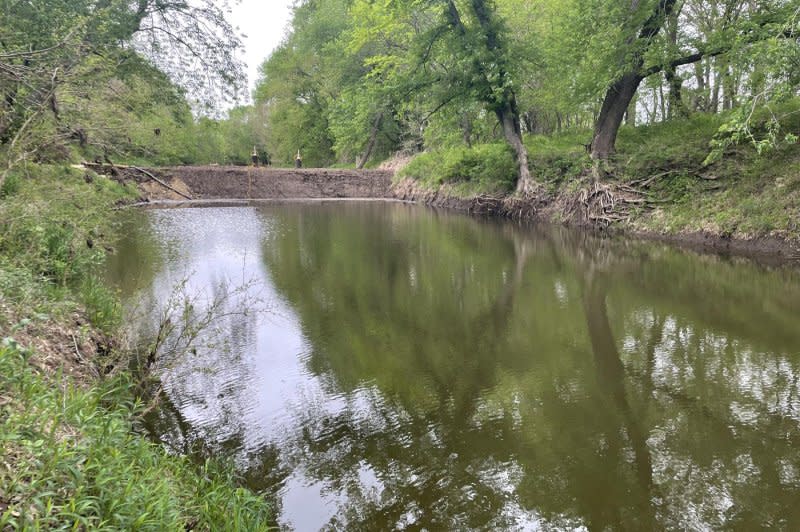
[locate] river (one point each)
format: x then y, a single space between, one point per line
376 366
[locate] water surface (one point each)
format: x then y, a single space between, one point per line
419 369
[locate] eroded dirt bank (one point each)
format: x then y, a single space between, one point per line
232 182
563 211
236 183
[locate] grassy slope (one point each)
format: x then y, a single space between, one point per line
71 455
744 195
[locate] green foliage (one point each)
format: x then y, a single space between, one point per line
54 227
10 186
73 459
559 158
664 146
765 128
743 194
300 81
485 167
95 79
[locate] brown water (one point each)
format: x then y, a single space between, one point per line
419 369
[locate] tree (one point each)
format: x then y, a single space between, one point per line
447 52
495 86
623 88
643 54
57 56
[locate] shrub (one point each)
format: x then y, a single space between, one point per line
486 167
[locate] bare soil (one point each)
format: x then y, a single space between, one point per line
231 182
70 346
562 210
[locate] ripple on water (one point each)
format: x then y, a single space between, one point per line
417 369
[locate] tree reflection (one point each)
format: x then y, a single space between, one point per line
484 408
484 375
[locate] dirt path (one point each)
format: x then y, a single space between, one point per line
240 182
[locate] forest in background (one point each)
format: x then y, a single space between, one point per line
692 105
115 80
356 81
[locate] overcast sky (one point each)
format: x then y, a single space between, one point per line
264 22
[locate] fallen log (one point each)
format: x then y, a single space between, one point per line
160 182
100 168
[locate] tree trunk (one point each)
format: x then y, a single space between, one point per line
528 122
729 84
373 137
676 106
715 90
674 82
509 120
616 102
498 94
620 94
466 129
699 102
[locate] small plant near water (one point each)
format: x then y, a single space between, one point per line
191 322
73 460
73 455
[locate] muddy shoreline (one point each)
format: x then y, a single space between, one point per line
223 186
767 250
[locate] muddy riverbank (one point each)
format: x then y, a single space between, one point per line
560 210
245 183
237 182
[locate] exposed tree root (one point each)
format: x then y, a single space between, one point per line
603 203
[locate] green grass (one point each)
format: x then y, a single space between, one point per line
72 457
72 460
54 226
556 160
745 194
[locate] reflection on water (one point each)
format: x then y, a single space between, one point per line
427 370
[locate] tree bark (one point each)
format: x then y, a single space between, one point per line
699 102
466 129
716 83
373 137
630 113
674 82
729 84
621 92
615 104
509 120
676 106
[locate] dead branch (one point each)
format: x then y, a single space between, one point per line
160 182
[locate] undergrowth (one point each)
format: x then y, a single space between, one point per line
484 168
72 457
72 460
55 226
